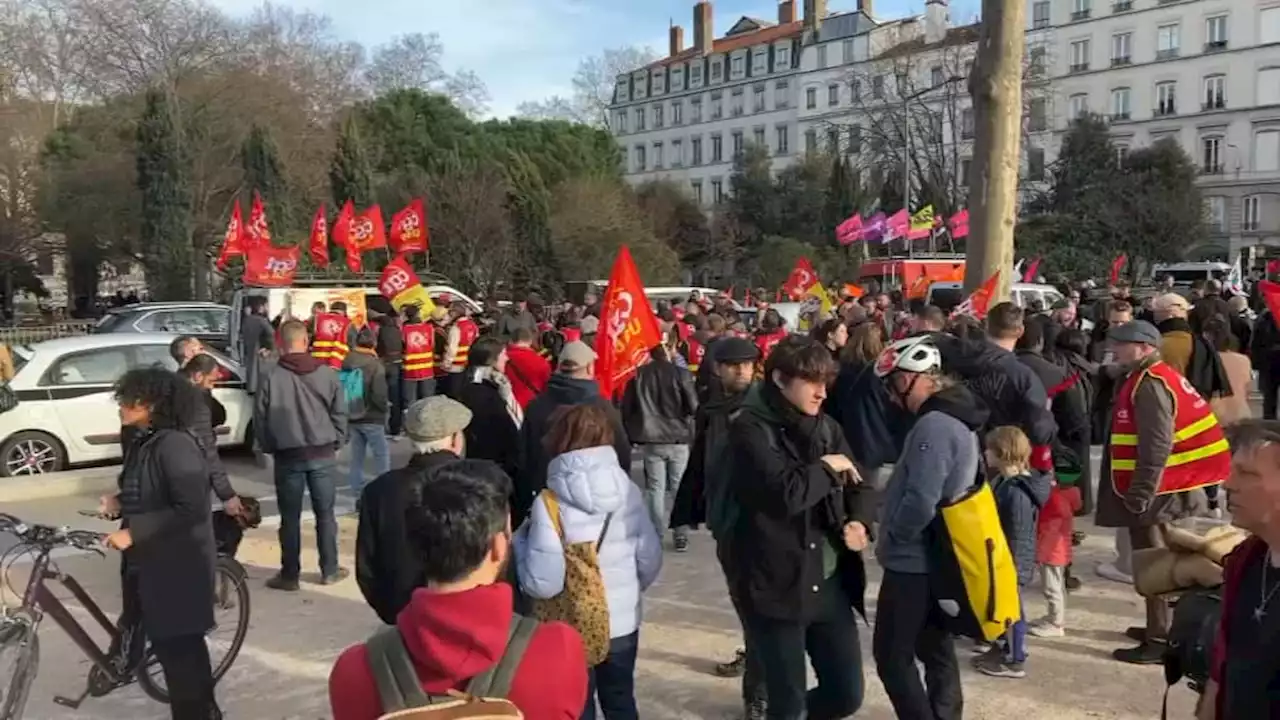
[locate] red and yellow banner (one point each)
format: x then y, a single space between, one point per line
400 284
629 329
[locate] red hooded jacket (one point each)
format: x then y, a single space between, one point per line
455 636
528 372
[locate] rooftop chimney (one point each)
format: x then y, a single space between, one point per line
864 7
786 12
677 40
814 11
935 21
704 32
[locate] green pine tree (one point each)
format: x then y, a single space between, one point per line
263 172
349 179
164 184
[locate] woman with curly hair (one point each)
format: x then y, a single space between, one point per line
166 533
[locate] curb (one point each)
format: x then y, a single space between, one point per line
93 481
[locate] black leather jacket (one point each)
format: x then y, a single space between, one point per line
659 404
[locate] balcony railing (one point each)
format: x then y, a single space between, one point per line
1120 116
1077 15
1122 6
1079 67
1165 110
1122 60
1213 104
1167 54
1214 169
1215 46
1039 23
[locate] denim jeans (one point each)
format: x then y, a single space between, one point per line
411 391
319 479
663 467
375 438
910 625
613 682
395 400
1015 640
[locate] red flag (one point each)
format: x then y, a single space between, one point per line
959 224
802 277
232 239
270 266
1273 267
400 284
257 232
629 329
342 225
850 230
368 232
1029 275
318 246
1271 296
409 229
1116 266
979 301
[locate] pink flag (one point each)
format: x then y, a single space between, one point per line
896 225
850 230
1029 275
959 224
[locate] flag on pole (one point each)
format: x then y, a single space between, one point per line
1235 280
874 227
1033 269
979 301
628 330
1116 266
318 245
896 225
1271 296
232 239
850 230
802 278
959 224
921 224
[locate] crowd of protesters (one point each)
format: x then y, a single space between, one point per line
804 454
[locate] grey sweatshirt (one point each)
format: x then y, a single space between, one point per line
300 410
940 459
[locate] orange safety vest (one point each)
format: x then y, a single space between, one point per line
693 354
1200 455
330 342
468 331
419 351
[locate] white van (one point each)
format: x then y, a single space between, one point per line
947 295
1186 274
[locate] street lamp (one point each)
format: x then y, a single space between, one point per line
906 151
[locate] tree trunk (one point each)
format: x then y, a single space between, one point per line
996 87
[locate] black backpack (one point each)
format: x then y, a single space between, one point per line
1192 634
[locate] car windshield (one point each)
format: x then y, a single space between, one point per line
109 322
21 356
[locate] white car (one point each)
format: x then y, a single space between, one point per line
66 414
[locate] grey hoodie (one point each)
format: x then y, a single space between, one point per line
300 411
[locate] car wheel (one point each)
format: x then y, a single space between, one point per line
31 452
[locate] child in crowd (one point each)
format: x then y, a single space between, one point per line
1019 492
1053 545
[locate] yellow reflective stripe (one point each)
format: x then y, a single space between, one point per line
1123 464
1182 458
1208 422
419 366
1122 439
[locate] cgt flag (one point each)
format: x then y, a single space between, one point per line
979 301
257 232
400 284
270 266
318 245
801 280
630 330
409 229
232 239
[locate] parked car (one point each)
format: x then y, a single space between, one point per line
947 295
66 414
205 320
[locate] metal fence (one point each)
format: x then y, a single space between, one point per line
27 334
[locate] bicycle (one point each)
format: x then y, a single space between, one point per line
122 662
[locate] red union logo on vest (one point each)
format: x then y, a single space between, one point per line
1122 415
332 327
417 340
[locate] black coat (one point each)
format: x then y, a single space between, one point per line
492 434
791 507
164 497
388 570
659 403
206 419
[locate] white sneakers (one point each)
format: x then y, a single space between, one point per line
1042 628
1109 571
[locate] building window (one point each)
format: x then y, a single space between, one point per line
1040 14
640 162
855 90
717 191
848 51
1035 164
761 65
1168 41
877 87
935 77
695 79
1122 154
717 105
737 99
1120 108
833 141
677 112
1079 55
1078 106
1211 155
738 64
1215 209
1269 25
677 80
657 117
781 95
966 166
1215 33
966 124
1215 92
696 185
1080 9
782 58
810 141
1266 151
639 119
1252 219
1166 98
716 71
677 153
695 110
1038 115
782 137
810 98
621 121
757 137
822 57
1120 6
855 139
1036 57
717 149
833 95
737 143
657 156
659 83
1122 48
695 149
757 97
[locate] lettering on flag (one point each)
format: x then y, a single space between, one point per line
400 284
270 266
631 329
257 233
318 245
232 239
802 278
409 229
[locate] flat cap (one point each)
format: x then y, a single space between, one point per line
435 418
735 350
1137 331
576 355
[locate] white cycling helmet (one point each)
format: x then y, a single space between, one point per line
913 355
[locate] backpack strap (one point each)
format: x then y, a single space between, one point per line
393 672
496 681
552 503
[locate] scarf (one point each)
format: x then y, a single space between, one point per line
803 430
499 380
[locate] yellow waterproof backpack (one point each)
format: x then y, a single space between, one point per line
972 572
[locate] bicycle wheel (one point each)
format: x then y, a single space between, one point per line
23 644
231 624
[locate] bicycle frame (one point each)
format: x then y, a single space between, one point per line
38 597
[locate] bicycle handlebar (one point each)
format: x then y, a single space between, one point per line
47 537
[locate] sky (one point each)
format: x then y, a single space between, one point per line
528 50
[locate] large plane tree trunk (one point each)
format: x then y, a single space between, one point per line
996 87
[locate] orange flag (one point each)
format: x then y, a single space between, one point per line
232 239
979 301
318 247
629 329
257 232
270 266
409 229
802 277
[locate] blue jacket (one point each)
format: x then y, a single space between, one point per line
590 484
1018 500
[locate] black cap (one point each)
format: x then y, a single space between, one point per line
735 350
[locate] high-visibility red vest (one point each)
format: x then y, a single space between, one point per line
683 330
767 341
468 331
1200 455
571 334
693 353
330 342
419 351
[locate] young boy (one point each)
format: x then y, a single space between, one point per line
1020 493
